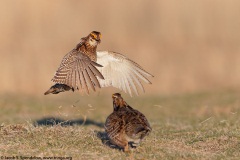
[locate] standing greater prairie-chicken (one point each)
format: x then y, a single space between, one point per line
84 67
125 125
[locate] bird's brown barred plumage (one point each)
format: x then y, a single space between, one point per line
84 67
126 125
78 68
89 51
86 48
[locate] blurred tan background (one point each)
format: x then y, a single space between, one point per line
188 45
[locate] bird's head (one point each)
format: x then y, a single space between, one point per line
94 38
118 101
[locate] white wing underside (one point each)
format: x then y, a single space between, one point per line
120 72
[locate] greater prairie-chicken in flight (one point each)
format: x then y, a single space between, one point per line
84 67
125 125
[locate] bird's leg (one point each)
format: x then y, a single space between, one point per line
125 149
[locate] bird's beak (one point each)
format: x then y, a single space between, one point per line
99 40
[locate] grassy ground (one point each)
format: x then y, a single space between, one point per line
193 126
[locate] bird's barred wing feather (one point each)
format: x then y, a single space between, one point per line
121 72
78 71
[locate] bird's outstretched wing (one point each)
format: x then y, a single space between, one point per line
78 72
121 72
